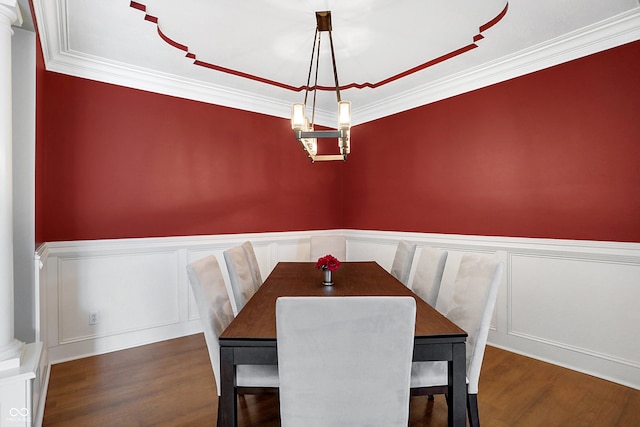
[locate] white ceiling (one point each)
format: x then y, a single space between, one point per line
265 46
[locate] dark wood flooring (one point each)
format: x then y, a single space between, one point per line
171 383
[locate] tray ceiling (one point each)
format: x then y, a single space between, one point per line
391 55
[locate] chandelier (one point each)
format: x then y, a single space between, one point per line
303 127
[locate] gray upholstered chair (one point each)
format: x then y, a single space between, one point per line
240 276
428 274
215 311
321 245
345 361
472 300
253 264
401 267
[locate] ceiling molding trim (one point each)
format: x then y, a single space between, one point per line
619 30
46 22
607 34
177 45
92 68
59 58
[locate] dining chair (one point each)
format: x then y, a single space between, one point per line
321 245
428 274
473 297
253 264
345 361
402 261
240 277
215 311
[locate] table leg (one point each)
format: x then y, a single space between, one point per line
458 386
228 401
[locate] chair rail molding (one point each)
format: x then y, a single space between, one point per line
567 302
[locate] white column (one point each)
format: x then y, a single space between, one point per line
10 348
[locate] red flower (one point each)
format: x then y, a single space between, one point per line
328 262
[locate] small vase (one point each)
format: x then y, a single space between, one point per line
328 279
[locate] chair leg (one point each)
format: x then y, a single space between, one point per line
472 410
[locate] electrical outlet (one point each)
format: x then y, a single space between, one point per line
94 318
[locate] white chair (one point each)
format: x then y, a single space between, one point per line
428 274
401 267
215 311
472 300
240 276
321 245
345 361
253 264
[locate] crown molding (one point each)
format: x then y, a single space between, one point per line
50 14
619 30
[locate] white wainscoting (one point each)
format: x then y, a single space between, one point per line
572 303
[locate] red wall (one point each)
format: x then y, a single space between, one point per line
552 154
117 162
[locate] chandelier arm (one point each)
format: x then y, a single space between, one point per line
315 83
313 50
335 69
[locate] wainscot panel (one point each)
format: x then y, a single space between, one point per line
567 302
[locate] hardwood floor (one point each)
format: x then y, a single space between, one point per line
171 384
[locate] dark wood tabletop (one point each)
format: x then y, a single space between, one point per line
257 319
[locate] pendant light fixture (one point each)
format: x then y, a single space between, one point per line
303 127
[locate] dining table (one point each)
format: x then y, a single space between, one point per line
251 337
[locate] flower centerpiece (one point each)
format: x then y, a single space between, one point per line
328 264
